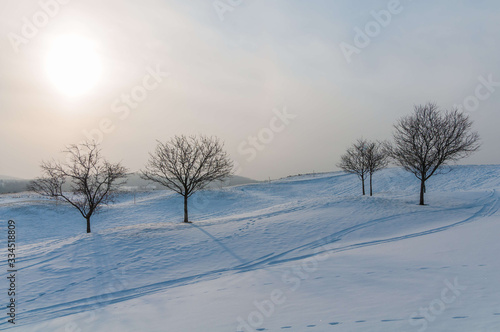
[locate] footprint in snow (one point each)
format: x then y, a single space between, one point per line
334 323
497 314
359 321
390 320
261 329
311 325
460 317
286 327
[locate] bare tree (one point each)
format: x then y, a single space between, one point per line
92 180
354 161
188 164
429 139
376 159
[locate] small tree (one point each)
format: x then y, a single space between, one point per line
354 161
188 164
429 139
91 179
376 158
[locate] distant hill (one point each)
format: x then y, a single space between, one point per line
6 177
9 184
134 181
12 185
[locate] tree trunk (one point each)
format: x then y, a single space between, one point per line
371 185
186 209
88 225
422 192
363 184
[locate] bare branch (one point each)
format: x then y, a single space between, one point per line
90 180
429 139
188 164
354 161
364 158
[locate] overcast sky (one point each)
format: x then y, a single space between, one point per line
288 85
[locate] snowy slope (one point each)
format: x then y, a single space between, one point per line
338 261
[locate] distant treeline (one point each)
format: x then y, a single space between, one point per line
134 182
13 186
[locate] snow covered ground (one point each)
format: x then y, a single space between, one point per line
305 253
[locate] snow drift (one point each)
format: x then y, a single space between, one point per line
298 254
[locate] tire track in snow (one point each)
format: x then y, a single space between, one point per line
489 208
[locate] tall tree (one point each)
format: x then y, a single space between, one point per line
354 161
91 180
188 164
429 139
376 158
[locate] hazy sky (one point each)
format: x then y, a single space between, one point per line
232 67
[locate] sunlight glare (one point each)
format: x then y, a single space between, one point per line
73 65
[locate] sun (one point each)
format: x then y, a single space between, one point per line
73 65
